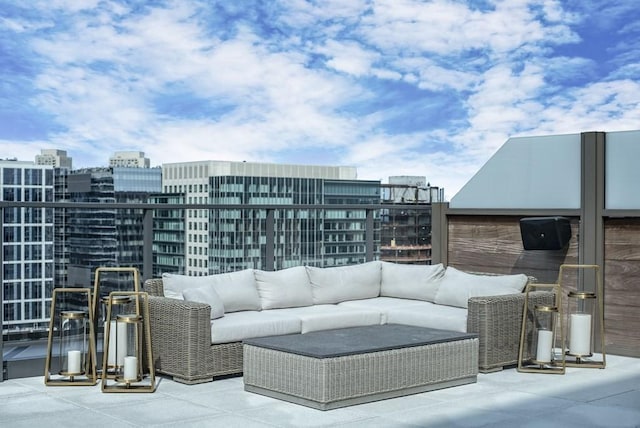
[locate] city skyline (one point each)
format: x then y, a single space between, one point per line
390 87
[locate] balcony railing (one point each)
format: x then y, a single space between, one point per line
370 222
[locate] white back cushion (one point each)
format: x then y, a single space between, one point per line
206 294
286 288
237 290
174 285
419 282
456 287
337 284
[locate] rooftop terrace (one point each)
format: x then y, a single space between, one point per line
580 398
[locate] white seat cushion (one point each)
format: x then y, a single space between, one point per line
326 317
237 326
456 287
411 281
337 284
431 315
381 304
286 288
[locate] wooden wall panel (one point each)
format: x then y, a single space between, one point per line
494 244
622 286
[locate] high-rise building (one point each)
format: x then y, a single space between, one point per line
54 157
233 239
406 233
27 253
129 159
168 235
107 237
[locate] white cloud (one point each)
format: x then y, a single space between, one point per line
115 78
349 57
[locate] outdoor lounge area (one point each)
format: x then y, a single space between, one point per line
477 235
580 398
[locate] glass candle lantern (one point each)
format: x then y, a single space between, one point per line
74 343
582 328
546 322
128 345
71 348
584 318
541 340
119 306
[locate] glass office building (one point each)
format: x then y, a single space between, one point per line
168 235
27 247
314 237
107 237
229 239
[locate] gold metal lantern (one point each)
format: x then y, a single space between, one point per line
106 280
542 336
584 315
128 346
71 351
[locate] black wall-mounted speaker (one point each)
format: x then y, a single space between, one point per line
545 233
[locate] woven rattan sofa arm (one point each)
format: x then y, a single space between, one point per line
154 287
181 338
497 320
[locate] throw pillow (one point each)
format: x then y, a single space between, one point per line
208 295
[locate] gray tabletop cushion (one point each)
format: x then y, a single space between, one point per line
357 340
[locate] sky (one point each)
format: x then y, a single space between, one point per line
392 87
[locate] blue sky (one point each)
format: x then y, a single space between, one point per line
393 87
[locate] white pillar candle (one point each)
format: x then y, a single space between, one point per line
543 351
73 361
580 336
111 352
130 368
121 340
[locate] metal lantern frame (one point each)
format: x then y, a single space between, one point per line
538 318
138 325
98 314
584 301
86 376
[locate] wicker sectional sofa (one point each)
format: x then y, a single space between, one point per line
198 323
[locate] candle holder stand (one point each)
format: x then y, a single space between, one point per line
584 316
131 354
71 351
542 337
115 279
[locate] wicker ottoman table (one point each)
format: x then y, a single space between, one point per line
336 368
